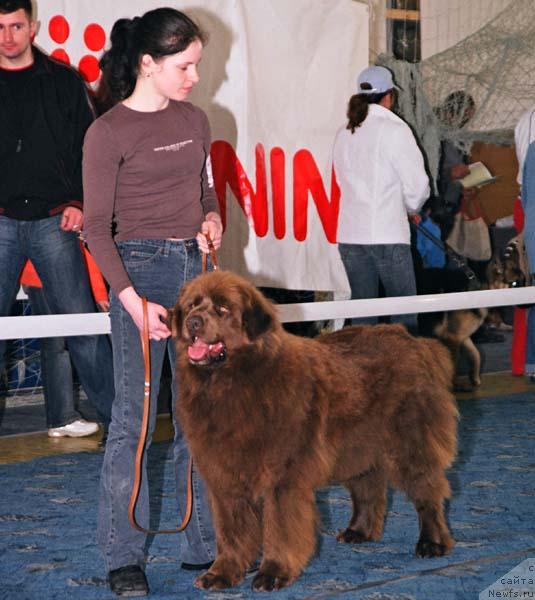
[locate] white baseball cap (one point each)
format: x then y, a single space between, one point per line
379 78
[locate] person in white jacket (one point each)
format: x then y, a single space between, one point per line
382 178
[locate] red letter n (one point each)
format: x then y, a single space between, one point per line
227 169
307 179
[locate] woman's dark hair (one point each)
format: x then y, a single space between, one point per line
357 109
159 32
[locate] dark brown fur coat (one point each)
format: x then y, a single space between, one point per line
271 417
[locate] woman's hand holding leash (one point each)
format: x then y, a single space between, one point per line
158 330
213 227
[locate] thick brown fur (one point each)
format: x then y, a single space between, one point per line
271 417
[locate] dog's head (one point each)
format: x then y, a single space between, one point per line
505 270
217 314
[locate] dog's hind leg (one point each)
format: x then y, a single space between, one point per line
427 493
422 458
475 361
238 536
289 528
368 493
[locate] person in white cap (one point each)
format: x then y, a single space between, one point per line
382 179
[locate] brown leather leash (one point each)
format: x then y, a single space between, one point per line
145 344
213 256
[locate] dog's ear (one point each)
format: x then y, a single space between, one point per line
258 315
174 321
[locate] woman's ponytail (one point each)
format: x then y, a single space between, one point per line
357 108
357 111
119 64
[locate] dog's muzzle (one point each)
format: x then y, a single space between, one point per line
194 324
200 351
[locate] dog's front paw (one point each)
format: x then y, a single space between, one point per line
264 582
429 549
212 581
350 536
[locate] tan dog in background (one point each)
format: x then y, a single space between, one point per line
455 328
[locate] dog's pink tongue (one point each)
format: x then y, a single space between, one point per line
198 350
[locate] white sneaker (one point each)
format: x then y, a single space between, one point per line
79 428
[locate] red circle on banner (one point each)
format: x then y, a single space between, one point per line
94 37
61 55
58 28
88 67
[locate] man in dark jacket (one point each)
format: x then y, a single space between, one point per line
44 113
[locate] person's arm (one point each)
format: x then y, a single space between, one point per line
523 128
156 313
408 162
102 157
72 219
459 171
212 224
82 115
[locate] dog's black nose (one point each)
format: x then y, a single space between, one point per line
194 324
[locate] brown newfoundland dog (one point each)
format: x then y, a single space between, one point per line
270 417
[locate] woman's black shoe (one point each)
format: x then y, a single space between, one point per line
196 567
129 581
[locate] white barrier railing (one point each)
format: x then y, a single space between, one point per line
99 323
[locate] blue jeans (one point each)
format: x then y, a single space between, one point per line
529 368
56 369
391 264
158 269
58 259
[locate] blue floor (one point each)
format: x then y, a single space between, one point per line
48 514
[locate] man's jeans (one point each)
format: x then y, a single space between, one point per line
58 259
56 369
367 264
158 269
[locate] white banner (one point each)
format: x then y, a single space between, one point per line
275 79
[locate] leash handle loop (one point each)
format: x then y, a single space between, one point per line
212 253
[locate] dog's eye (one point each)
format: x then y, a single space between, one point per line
221 310
190 306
